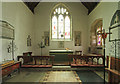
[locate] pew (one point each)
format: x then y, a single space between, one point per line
85 60
36 61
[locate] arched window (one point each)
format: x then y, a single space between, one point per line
61 24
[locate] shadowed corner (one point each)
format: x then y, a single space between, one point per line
0 44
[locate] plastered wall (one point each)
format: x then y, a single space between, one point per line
104 10
18 15
79 23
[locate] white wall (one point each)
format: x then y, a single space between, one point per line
25 23
79 23
0 30
104 10
17 14
0 46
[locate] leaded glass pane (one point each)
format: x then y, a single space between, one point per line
66 12
62 11
99 37
67 27
60 26
99 40
59 10
54 27
56 10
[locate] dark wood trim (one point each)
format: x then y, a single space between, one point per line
113 70
36 61
85 60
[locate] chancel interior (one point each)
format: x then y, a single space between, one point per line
60 42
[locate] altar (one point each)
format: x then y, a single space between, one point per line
60 55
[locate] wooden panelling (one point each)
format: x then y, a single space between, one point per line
85 60
36 61
114 70
6 71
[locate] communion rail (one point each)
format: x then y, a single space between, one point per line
86 60
36 61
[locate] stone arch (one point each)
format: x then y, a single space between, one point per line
93 37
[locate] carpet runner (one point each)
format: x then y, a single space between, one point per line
62 77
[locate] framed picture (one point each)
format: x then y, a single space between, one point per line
77 38
28 40
6 30
46 38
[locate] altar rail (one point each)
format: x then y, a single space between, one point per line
85 60
36 61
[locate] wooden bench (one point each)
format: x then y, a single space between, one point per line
9 67
36 61
85 60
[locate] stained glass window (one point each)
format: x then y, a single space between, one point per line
67 27
99 37
54 27
61 28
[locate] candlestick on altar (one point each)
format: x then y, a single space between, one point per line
104 36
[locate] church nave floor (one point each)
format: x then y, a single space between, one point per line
61 77
56 76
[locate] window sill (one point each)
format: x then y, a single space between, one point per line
60 40
99 47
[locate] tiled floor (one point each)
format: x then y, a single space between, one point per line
37 75
101 74
62 67
26 76
61 76
91 77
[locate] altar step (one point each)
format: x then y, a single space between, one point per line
69 68
64 67
61 63
61 68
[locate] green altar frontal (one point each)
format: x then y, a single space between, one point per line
60 55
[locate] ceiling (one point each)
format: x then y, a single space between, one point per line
89 5
31 5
